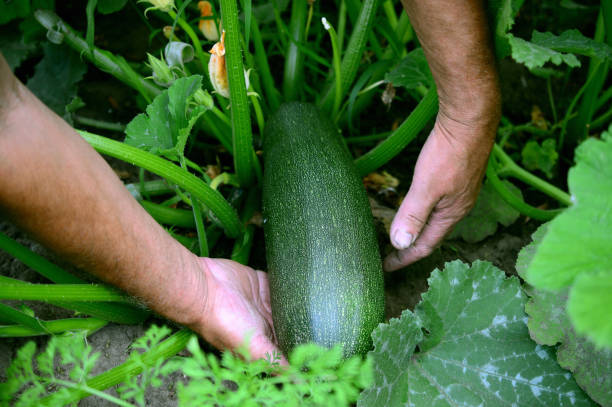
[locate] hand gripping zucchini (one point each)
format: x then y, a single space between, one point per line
326 283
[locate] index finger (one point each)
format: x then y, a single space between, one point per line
438 226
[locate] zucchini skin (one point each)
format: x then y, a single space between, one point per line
324 267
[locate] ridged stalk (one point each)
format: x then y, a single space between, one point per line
294 59
187 181
104 60
62 292
120 313
169 216
54 327
242 135
400 138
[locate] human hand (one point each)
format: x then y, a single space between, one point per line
237 307
445 185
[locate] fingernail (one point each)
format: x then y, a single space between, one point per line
402 240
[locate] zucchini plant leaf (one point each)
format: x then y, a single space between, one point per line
110 6
575 253
168 120
574 42
13 47
535 56
10 10
502 14
477 349
541 157
412 71
489 210
550 325
547 47
56 76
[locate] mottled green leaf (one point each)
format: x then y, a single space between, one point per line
535 56
572 41
489 210
110 6
10 10
578 243
412 72
502 14
13 48
541 157
56 75
168 120
549 324
477 350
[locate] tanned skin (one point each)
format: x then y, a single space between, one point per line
451 165
58 189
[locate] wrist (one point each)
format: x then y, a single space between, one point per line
476 107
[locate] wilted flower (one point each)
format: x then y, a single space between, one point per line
208 26
161 5
218 71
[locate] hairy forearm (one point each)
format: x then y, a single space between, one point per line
456 41
58 189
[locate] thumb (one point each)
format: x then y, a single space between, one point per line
411 217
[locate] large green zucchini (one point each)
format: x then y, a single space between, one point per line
325 272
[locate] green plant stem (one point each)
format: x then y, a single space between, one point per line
604 98
261 59
199 224
154 187
337 69
83 387
341 24
354 52
578 127
510 168
62 292
367 139
120 313
293 76
104 60
21 318
259 116
187 181
601 120
390 13
515 201
401 137
204 58
54 327
574 137
404 29
169 216
242 247
36 262
170 347
551 99
99 124
241 119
